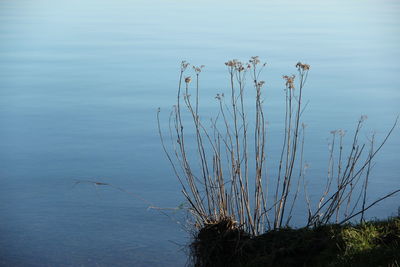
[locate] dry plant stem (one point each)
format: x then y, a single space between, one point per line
334 201
204 167
241 80
294 149
367 178
369 206
291 149
219 183
231 158
218 188
361 192
257 148
234 192
281 158
301 173
334 206
286 178
330 169
167 153
237 173
197 204
240 77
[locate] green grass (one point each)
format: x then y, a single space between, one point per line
374 243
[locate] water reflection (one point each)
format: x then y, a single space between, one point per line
80 83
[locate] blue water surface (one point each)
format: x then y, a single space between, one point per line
81 81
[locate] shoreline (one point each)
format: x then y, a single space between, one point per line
372 243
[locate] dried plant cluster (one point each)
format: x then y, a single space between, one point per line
228 181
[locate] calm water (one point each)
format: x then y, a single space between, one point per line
80 82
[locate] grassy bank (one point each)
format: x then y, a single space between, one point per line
375 243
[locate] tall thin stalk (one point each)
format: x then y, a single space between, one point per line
219 186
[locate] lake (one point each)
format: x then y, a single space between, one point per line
81 81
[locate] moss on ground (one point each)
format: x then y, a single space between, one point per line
374 243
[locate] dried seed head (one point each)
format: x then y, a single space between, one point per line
301 66
260 83
198 69
184 65
289 81
188 79
239 66
254 60
231 63
341 132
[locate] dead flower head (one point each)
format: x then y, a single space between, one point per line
188 79
260 84
302 66
231 63
184 65
239 66
341 132
198 69
363 118
254 60
289 81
